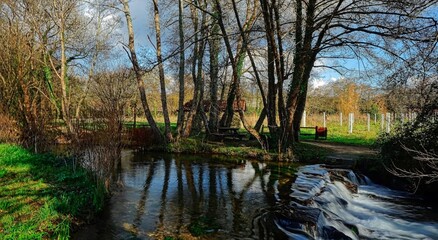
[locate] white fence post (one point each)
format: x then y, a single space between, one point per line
388 122
350 123
304 119
323 115
382 122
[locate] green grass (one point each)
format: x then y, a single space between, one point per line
41 195
339 134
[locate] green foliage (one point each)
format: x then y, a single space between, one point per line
3 172
202 226
189 145
421 136
41 195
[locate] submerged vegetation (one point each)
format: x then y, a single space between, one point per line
42 196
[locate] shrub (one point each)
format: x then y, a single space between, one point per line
409 153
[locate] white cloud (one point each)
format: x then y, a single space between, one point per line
320 82
317 83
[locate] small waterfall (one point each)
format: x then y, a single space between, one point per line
340 204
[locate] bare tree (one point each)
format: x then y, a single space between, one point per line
329 29
181 73
426 166
104 25
236 67
167 131
137 70
199 26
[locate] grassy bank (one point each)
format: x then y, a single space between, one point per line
339 134
42 196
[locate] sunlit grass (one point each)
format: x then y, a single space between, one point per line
340 134
336 133
41 195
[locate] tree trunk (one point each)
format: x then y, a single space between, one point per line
303 63
239 58
214 43
198 55
137 71
236 78
167 130
260 121
65 101
272 89
180 121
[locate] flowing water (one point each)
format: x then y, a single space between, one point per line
163 196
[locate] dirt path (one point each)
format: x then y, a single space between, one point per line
342 154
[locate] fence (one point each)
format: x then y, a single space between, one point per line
382 122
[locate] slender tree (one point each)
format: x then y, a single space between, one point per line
197 63
214 44
181 67
167 131
137 70
235 70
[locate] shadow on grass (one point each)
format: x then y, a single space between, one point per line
41 195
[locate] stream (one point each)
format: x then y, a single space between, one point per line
162 196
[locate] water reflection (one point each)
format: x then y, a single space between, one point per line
170 196
167 196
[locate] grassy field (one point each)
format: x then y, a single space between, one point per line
339 134
41 195
336 132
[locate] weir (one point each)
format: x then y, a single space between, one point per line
340 204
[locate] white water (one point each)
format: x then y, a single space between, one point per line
373 212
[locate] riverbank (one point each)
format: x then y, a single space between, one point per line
43 196
249 149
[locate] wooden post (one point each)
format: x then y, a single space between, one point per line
324 123
350 123
368 122
375 118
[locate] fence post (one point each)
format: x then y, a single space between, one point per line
382 122
304 119
368 122
388 122
350 123
323 115
375 118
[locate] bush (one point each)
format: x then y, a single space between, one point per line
8 129
402 153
